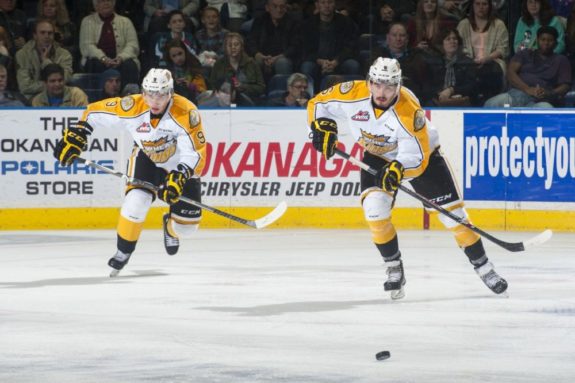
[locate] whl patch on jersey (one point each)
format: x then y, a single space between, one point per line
194 118
144 128
418 120
362 115
127 103
345 87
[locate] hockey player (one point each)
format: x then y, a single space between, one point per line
387 120
169 152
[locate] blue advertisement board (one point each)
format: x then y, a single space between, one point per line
519 157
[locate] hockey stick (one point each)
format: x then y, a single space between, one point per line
511 246
260 223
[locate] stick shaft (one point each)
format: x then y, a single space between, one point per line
155 189
518 246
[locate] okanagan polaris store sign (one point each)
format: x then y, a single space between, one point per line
519 157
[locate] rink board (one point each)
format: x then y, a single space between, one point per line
516 170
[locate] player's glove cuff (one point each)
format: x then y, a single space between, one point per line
390 176
74 140
173 187
324 136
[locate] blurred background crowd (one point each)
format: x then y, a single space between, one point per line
280 52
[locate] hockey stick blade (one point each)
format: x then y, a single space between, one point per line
510 246
260 223
271 217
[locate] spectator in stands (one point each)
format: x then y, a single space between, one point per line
273 39
534 14
570 39
55 92
233 13
296 95
220 97
65 31
5 46
382 20
176 31
241 70
7 58
9 98
186 70
450 76
157 12
486 41
411 60
403 9
329 43
36 54
538 78
211 37
425 28
14 21
108 40
111 83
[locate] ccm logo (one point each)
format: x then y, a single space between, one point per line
442 198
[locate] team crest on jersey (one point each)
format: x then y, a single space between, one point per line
161 150
377 144
345 87
127 103
144 128
418 120
362 115
194 118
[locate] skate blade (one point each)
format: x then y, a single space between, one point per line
114 273
397 294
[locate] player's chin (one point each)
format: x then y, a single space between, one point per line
381 102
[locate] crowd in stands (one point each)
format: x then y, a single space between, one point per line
280 52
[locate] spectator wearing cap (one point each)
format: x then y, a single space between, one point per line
56 93
537 78
111 81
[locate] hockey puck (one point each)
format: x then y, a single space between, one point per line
383 355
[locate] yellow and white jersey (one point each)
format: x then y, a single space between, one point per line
400 133
178 137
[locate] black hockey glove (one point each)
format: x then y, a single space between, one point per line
324 136
173 187
390 176
74 140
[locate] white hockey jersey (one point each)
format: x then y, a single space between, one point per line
401 133
178 137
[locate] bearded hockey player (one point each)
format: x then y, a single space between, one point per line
387 120
169 152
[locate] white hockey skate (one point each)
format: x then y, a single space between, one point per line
491 279
117 263
395 279
172 244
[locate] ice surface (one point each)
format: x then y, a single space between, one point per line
280 306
